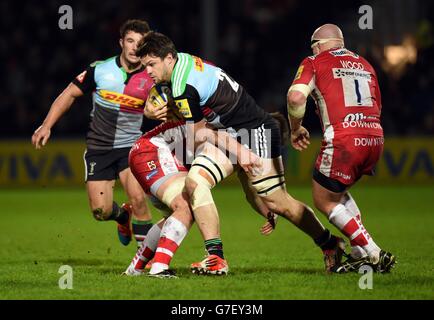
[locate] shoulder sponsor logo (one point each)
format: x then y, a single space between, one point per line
343 53
299 72
120 98
198 64
81 76
184 108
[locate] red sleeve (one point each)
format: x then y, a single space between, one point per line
305 72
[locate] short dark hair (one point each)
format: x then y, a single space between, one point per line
156 44
139 26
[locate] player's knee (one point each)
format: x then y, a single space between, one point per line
179 203
100 214
199 191
137 200
181 211
190 186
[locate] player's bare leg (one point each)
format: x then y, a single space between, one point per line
103 207
100 195
142 218
279 201
332 204
270 186
252 197
257 203
172 230
175 227
209 168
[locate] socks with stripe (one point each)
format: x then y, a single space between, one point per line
140 230
354 230
119 214
147 250
351 206
172 234
214 246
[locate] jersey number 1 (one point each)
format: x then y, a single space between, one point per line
356 88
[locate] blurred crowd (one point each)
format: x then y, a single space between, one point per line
260 43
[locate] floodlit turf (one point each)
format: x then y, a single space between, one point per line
41 230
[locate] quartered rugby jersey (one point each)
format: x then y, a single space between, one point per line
202 90
118 101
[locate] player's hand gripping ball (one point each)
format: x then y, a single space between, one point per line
159 97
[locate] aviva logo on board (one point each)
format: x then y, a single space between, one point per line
60 163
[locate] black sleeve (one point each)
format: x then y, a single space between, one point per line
86 80
188 104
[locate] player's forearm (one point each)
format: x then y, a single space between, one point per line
295 123
62 104
296 104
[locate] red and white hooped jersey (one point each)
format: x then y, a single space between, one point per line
345 88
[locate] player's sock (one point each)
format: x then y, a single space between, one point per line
147 250
172 234
214 246
118 214
357 252
326 241
140 229
349 226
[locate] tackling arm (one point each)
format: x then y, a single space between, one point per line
247 160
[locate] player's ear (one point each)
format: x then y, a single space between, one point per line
169 58
121 43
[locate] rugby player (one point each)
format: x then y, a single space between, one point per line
345 88
120 86
153 161
207 96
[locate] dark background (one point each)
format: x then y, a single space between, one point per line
259 43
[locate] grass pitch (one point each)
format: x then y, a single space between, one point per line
45 229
